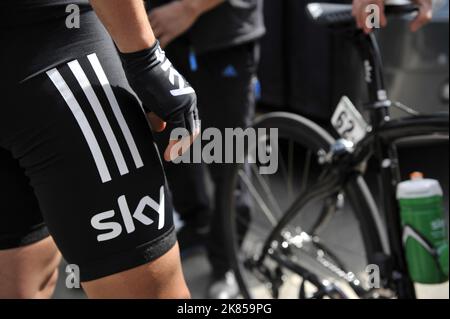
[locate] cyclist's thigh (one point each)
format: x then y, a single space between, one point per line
28 256
166 281
89 153
85 144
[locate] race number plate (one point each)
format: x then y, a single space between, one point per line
348 122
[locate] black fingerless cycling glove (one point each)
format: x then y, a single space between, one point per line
161 88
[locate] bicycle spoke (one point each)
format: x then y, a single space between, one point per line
306 170
283 168
267 190
262 204
290 189
258 229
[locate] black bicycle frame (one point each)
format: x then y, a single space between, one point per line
385 154
380 144
382 140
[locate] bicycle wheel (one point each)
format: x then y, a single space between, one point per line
310 255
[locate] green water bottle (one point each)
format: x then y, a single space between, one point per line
424 231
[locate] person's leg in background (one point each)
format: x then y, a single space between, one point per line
226 80
187 182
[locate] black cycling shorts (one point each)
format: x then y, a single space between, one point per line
77 157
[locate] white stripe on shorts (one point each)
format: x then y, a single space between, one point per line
82 121
82 79
93 59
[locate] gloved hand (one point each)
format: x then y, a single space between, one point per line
162 89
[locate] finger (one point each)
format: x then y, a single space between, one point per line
157 31
383 19
373 15
156 123
157 27
355 6
424 16
362 15
357 14
164 40
155 23
366 26
153 18
178 148
358 18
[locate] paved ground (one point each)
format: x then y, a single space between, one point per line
197 275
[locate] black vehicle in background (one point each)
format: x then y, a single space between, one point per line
305 69
417 64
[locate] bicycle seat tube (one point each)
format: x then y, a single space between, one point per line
374 78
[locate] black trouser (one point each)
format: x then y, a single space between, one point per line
224 82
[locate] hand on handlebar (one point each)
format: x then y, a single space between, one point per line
361 14
424 16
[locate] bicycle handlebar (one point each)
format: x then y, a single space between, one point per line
331 14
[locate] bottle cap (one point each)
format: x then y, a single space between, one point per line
416 175
418 187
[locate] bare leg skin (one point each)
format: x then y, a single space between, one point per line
30 271
160 279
